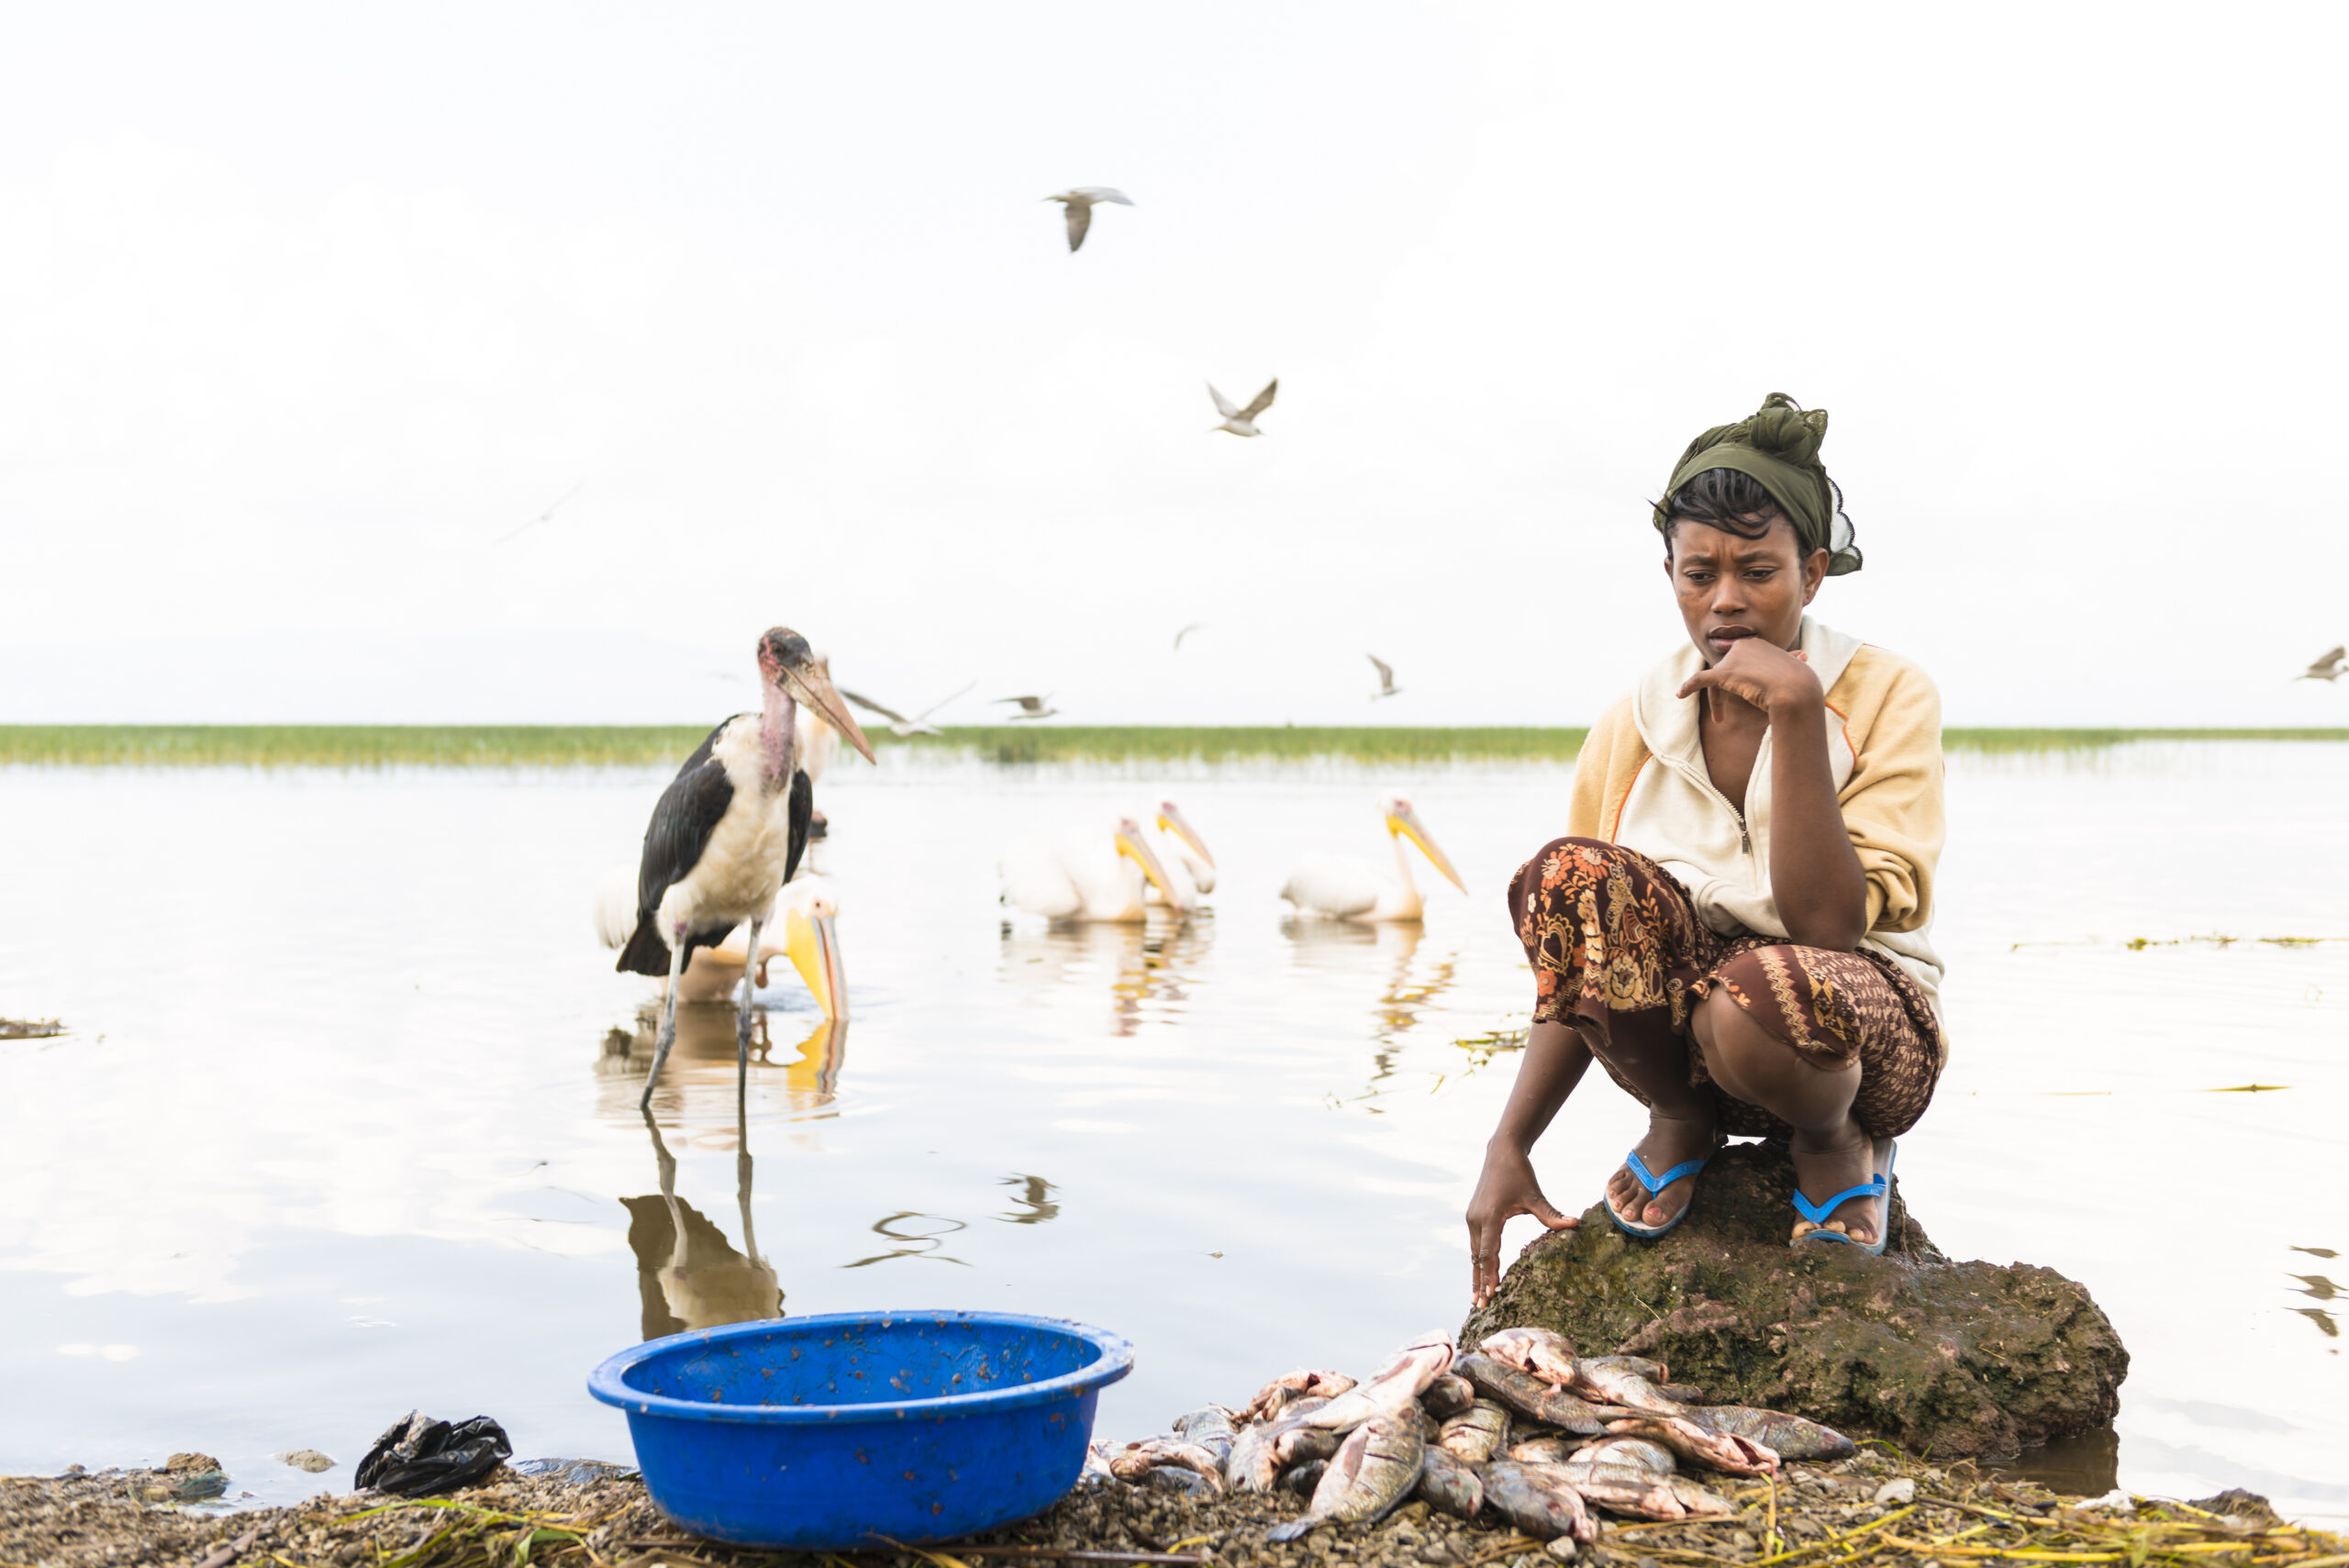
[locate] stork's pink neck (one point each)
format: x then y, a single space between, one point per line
778 735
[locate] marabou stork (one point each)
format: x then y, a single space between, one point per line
728 832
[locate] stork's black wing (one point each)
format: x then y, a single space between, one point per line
686 815
803 815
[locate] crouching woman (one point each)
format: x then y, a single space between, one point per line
1735 926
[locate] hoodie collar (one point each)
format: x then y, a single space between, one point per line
1667 721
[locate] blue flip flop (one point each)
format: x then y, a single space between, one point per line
1654 1185
1877 1187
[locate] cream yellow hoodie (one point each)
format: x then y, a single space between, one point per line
1640 782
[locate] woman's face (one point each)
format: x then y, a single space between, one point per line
1731 587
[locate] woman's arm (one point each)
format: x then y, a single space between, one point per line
1556 1059
1821 892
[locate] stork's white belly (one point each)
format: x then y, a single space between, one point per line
741 869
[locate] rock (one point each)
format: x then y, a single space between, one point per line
307 1459
1963 1360
1894 1492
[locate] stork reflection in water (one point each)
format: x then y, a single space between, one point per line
688 1274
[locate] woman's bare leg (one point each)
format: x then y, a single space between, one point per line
1644 1047
1832 1150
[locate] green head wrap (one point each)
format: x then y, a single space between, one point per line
1779 448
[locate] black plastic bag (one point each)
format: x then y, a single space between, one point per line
418 1456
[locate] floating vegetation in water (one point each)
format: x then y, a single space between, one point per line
2214 938
2244 1089
548 745
29 1029
2318 1251
2324 1320
2317 1285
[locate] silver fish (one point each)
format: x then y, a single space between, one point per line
1639 1453
1291 1386
1136 1459
1790 1436
1604 1384
1724 1452
1476 1432
1448 1395
1376 1468
1181 1479
1701 1502
1544 1450
1529 1396
1392 1388
1302 1478
1654 1371
1538 1501
1547 1355
1450 1485
1211 1427
1619 1488
1262 1451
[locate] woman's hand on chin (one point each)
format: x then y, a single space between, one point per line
1505 1189
1762 674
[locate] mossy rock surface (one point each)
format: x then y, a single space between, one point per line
1950 1359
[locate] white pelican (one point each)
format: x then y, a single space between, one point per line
1087 875
1343 887
807 913
1242 421
1078 200
728 833
1188 863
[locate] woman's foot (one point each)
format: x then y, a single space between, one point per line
1670 1141
1837 1163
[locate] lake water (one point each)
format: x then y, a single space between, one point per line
347 1123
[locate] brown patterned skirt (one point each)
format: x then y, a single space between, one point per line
1610 932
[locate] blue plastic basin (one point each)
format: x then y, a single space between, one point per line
834 1432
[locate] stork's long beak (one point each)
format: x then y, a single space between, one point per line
1131 843
1407 822
1170 820
810 682
813 948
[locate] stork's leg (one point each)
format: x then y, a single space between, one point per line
742 1019
668 1035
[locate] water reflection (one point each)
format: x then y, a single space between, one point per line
698 1085
1035 1200
687 1275
1389 948
1150 966
918 1235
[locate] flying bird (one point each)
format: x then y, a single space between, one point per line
727 834
546 516
1187 631
1079 200
1032 707
1343 887
898 723
1387 686
1242 421
2328 668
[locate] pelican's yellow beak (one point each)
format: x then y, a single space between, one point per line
1170 820
1407 822
1130 843
814 949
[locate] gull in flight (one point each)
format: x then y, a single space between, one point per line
1079 200
1032 707
1387 686
546 516
900 724
1187 631
2328 668
1242 421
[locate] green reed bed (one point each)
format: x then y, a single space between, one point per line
557 745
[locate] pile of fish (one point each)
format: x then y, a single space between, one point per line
1520 1429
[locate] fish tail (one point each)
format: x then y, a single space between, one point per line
1292 1529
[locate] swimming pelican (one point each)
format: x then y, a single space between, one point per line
1087 875
1188 863
1078 200
1343 887
806 912
728 833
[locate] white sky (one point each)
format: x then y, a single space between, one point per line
302 306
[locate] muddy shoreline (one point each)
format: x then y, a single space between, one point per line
1878 1506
